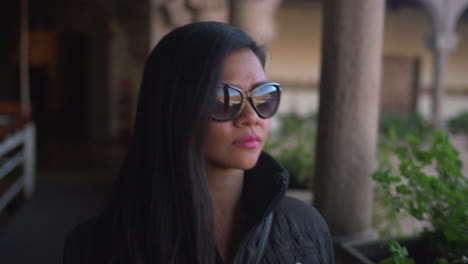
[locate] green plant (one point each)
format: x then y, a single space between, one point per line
399 254
429 185
293 145
459 123
392 131
385 220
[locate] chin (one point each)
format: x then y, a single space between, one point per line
247 162
248 166
240 159
239 162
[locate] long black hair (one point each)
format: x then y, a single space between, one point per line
161 209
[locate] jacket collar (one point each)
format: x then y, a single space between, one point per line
264 186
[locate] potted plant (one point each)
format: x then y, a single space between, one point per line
429 185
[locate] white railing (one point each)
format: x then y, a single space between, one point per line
18 150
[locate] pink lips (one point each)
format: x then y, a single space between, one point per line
250 141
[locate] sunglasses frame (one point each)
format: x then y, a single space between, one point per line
249 96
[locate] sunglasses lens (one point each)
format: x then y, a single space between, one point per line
266 100
228 104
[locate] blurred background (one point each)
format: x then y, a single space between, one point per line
71 70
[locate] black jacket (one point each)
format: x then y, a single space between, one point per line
298 233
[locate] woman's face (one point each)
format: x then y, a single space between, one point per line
237 144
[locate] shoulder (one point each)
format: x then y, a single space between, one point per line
83 230
85 243
299 235
300 216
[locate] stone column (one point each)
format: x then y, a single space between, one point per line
256 17
209 10
443 15
348 115
157 26
441 45
166 15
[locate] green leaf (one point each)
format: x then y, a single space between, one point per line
384 176
388 260
442 261
451 235
412 139
399 254
403 189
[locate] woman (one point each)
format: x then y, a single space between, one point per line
195 186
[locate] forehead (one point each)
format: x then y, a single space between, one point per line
243 69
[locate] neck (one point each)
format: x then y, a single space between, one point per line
225 187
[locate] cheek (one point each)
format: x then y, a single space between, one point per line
216 130
215 136
266 125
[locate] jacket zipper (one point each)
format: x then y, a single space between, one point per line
254 227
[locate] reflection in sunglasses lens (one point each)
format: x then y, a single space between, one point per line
228 103
266 100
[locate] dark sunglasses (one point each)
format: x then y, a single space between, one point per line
230 101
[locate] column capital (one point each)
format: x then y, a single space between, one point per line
444 42
444 14
157 3
256 17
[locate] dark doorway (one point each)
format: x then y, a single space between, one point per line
73 61
59 85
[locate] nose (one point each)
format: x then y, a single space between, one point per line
248 116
